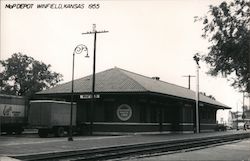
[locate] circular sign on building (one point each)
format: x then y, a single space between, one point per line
124 112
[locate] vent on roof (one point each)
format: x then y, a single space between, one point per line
156 78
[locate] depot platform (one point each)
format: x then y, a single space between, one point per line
31 144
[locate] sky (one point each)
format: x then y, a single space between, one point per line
152 38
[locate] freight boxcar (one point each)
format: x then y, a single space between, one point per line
50 116
13 115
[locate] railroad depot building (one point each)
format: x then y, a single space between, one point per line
129 102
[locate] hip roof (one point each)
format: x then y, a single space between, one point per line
120 80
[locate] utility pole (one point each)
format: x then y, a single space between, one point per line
243 104
249 101
244 108
189 79
248 78
237 113
243 101
95 32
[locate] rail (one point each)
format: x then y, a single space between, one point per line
133 150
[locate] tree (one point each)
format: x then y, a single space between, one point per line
23 75
227 28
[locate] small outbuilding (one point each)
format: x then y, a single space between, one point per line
131 103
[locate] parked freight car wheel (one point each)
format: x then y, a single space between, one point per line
43 133
84 129
18 131
59 131
9 132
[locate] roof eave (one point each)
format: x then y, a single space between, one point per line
133 92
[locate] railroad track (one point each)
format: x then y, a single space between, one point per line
132 150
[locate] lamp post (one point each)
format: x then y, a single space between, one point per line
78 50
197 59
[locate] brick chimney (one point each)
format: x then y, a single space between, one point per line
156 78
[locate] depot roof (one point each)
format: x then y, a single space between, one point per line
120 80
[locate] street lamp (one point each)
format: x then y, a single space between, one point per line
197 59
78 50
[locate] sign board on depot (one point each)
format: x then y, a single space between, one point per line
89 96
124 112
